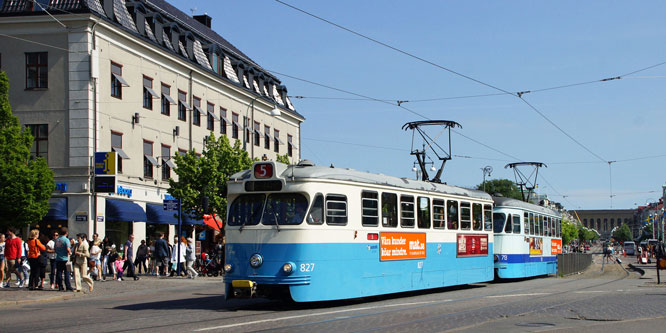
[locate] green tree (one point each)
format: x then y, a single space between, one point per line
26 183
207 175
622 234
569 232
505 187
283 159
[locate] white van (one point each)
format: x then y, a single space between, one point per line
630 248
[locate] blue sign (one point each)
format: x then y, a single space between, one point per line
170 204
124 191
62 187
105 163
169 197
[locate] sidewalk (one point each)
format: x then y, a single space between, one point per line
19 296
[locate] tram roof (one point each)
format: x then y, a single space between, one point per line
343 174
514 203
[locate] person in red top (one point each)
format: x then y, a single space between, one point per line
13 256
35 248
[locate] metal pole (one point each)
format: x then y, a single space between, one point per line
180 226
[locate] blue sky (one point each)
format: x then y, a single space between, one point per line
512 45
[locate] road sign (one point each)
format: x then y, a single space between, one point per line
170 204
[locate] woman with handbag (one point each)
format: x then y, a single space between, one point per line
80 264
35 248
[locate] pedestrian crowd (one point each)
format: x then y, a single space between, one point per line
65 258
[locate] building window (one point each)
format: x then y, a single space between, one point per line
234 125
117 146
166 162
148 160
276 141
148 93
210 124
182 105
196 115
36 70
290 145
267 137
223 121
257 133
166 100
117 81
40 144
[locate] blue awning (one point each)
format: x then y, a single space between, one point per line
57 210
157 215
121 210
191 220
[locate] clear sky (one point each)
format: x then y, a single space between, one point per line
511 45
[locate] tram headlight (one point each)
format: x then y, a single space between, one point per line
256 260
288 268
228 268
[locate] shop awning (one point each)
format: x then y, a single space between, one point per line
57 210
122 210
213 221
157 215
191 220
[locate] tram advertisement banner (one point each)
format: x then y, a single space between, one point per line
402 245
536 245
555 246
472 245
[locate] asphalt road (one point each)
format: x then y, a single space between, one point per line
592 302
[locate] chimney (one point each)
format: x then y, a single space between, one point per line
203 19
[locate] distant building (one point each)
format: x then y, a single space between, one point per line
604 220
145 80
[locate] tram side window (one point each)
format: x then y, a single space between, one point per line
389 210
508 228
336 209
540 224
477 216
423 213
488 217
452 214
499 219
438 214
370 208
548 226
559 228
406 211
526 224
516 223
465 216
532 230
316 215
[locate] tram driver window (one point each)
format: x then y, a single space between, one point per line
477 216
423 213
516 223
316 215
336 209
406 211
488 217
465 216
438 214
499 219
389 210
508 227
452 214
370 208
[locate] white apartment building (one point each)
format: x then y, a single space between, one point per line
140 78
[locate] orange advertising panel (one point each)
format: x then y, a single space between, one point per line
555 246
402 245
472 245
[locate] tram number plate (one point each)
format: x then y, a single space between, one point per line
307 267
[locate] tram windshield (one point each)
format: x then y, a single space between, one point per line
280 208
499 219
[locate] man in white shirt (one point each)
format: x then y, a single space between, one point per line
51 255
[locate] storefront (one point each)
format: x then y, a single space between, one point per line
158 222
120 215
56 217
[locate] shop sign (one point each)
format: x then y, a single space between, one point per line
100 218
124 191
472 245
61 187
81 216
402 245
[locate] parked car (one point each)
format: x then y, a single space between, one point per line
629 248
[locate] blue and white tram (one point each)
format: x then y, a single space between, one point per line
527 239
319 233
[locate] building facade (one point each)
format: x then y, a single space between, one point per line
140 78
605 220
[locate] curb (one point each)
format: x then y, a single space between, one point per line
40 300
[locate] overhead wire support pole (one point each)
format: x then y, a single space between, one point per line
610 181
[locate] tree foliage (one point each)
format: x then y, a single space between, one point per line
26 184
569 232
284 159
207 175
505 187
622 234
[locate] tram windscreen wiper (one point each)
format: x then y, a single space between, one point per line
277 224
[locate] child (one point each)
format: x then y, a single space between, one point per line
119 266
